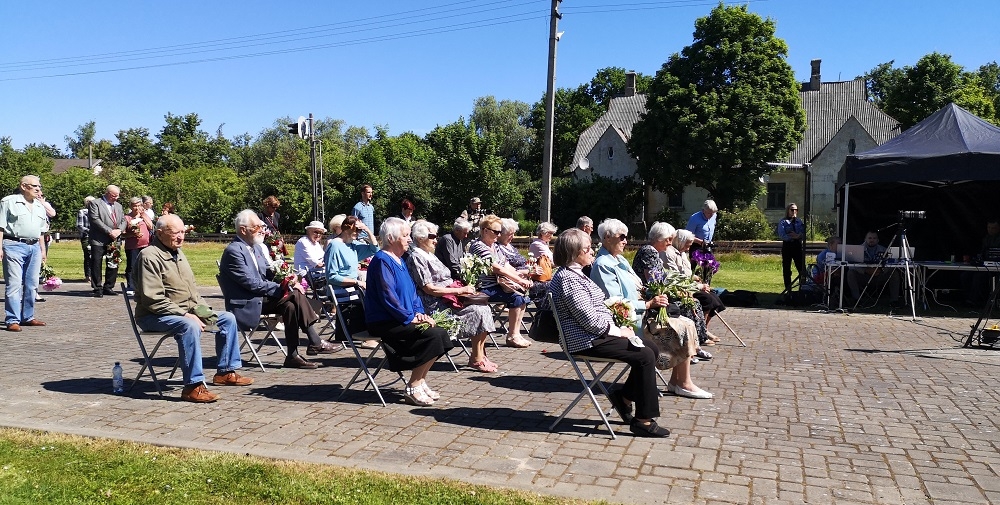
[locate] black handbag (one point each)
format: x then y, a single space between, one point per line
477 298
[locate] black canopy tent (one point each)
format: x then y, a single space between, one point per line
947 165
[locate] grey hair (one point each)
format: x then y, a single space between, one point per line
584 221
546 227
710 205
164 220
508 225
462 224
570 244
611 227
86 201
683 237
244 218
146 198
390 231
661 231
423 229
134 200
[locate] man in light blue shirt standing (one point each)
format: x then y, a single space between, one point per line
702 224
22 219
364 210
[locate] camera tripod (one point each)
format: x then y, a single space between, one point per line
909 275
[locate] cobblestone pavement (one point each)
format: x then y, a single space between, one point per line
820 408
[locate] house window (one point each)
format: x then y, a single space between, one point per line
675 201
611 153
775 195
851 146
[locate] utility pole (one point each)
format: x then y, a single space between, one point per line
545 213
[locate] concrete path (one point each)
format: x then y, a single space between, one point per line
820 408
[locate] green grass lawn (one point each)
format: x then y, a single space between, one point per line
49 468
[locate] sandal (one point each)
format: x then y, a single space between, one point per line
703 355
491 363
417 396
430 392
483 366
517 341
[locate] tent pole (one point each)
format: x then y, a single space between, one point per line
847 192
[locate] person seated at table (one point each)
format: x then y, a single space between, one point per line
309 255
451 246
504 284
872 280
438 291
828 255
589 329
647 263
395 313
543 235
343 255
613 275
249 293
978 283
676 258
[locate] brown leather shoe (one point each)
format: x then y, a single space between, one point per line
34 322
198 393
13 327
297 361
324 348
231 379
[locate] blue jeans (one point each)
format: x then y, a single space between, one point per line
21 266
188 336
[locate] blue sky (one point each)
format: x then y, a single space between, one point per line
409 65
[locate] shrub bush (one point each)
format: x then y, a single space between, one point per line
748 223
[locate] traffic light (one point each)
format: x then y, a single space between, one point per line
298 128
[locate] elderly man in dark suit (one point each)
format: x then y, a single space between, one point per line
248 293
107 222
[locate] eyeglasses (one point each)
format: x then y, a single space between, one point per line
622 237
432 236
36 186
495 232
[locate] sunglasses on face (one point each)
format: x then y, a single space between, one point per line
432 236
622 237
495 232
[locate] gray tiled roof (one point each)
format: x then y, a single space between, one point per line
61 165
829 108
623 112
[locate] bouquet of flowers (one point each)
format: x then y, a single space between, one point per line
473 268
444 319
677 286
622 311
284 273
363 264
705 265
114 254
47 278
275 244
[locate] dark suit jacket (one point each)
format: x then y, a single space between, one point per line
244 286
101 223
450 251
275 219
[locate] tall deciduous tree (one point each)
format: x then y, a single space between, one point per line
720 110
912 93
84 135
507 121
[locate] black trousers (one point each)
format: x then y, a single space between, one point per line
640 386
791 250
97 252
88 266
297 314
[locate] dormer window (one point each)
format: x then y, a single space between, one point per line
611 153
851 146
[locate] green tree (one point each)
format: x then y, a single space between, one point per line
467 165
506 120
182 144
910 94
78 145
15 164
66 191
47 150
720 110
600 198
135 149
208 197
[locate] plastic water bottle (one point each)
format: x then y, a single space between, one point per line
117 384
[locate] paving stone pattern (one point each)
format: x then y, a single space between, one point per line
820 409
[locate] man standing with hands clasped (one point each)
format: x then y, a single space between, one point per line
791 231
22 219
107 222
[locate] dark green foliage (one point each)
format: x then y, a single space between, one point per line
720 110
747 223
599 198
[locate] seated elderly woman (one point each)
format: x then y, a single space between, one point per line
647 262
589 330
309 258
438 291
543 235
612 273
676 257
395 314
343 254
508 227
515 294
